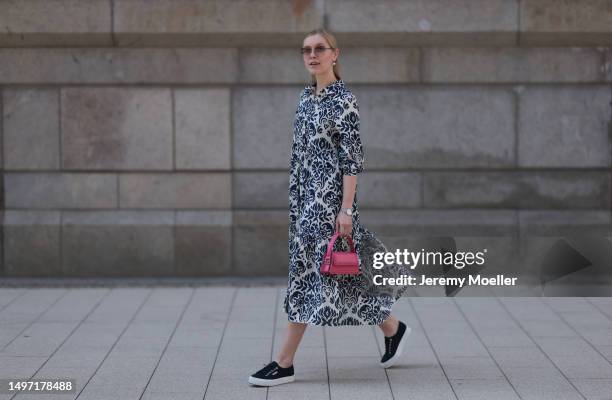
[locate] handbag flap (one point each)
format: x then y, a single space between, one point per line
345 258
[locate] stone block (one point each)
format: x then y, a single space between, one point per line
118 243
118 65
261 190
608 66
507 64
202 128
358 64
577 23
440 223
175 190
2 246
266 65
437 22
203 243
436 127
565 222
55 22
32 243
518 189
31 128
263 126
260 243
48 190
1 131
389 189
116 128
212 23
380 64
564 126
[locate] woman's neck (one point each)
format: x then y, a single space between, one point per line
323 82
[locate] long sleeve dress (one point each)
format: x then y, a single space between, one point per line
326 146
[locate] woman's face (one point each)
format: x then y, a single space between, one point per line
319 59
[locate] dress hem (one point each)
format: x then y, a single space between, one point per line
308 322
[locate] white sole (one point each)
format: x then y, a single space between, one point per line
398 353
268 382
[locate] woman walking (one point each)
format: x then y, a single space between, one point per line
326 157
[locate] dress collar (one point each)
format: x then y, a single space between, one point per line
335 86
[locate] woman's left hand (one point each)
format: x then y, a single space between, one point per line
344 224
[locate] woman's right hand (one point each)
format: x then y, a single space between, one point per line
344 224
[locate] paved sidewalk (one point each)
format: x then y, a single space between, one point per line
202 343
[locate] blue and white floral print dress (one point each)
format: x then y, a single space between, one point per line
326 146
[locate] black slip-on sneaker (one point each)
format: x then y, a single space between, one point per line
272 375
394 345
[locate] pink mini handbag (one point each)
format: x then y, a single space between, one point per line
340 262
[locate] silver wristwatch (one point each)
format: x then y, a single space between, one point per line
347 211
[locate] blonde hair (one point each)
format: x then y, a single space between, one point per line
331 39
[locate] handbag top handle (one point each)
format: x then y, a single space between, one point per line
332 241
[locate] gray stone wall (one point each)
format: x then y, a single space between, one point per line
152 137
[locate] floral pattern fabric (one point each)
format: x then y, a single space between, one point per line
326 146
